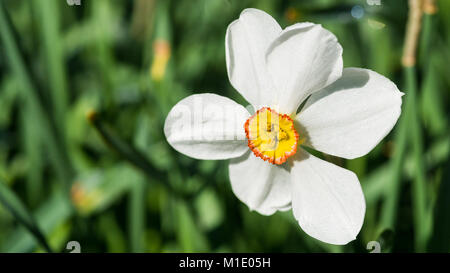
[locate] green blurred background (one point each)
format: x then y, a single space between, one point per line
84 92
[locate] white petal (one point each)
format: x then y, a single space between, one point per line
260 185
351 116
327 200
303 59
207 126
246 42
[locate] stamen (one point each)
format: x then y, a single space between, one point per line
271 136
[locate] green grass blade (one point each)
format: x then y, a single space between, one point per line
419 189
55 211
48 20
13 204
389 207
57 153
137 215
31 135
440 238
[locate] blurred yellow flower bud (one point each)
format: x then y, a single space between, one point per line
84 200
161 55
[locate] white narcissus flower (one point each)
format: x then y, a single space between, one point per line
348 112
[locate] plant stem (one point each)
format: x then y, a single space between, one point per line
419 189
429 10
135 157
389 211
409 126
419 181
124 149
128 152
412 33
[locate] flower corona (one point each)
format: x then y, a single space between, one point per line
271 136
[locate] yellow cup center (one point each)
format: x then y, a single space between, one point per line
271 136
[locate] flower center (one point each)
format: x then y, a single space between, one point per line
271 136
